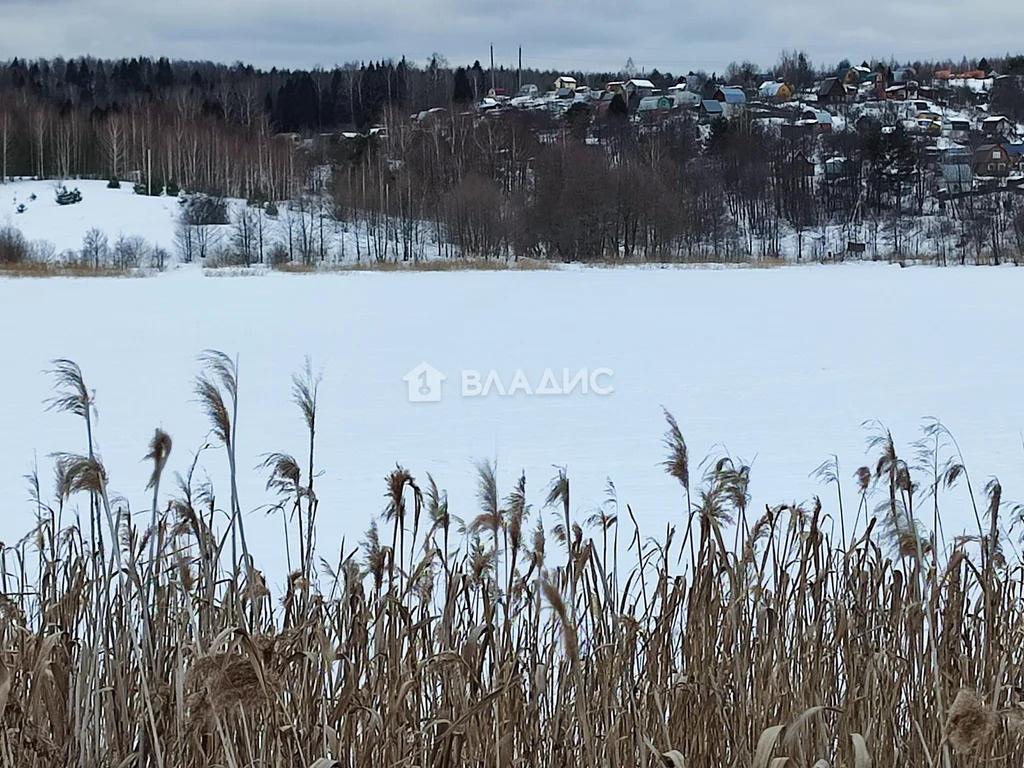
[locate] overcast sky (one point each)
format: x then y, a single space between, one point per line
555 34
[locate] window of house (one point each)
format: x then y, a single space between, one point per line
997 154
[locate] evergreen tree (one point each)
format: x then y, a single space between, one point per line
463 88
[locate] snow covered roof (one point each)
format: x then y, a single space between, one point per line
641 83
819 116
770 89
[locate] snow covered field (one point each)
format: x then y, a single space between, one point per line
779 367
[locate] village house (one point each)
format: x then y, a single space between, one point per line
904 75
605 102
992 160
855 76
997 127
775 92
831 91
640 88
684 98
819 120
565 83
731 98
654 108
836 168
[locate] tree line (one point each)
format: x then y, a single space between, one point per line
583 187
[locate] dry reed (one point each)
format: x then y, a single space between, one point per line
442 643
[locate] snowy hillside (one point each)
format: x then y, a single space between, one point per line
779 367
113 211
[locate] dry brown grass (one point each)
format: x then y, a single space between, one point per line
427 265
425 647
33 269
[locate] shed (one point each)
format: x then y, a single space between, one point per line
711 108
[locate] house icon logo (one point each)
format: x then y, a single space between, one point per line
424 383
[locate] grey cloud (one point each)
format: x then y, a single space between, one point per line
578 34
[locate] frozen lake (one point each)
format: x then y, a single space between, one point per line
778 367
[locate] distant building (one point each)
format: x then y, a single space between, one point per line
529 91
711 109
992 160
997 126
565 83
654 108
775 92
730 94
731 98
831 91
857 76
684 98
904 75
818 119
642 88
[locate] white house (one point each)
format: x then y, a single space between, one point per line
643 88
565 83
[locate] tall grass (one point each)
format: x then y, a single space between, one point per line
751 638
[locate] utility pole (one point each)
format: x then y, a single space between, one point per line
149 172
520 71
492 67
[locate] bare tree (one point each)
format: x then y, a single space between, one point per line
95 248
113 143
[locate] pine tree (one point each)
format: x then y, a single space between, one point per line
463 88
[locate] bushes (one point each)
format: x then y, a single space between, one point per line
204 210
113 184
67 196
14 248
